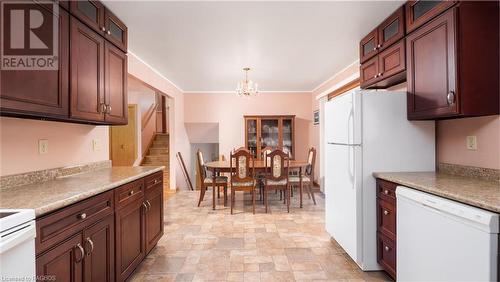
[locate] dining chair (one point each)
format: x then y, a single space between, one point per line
242 167
206 181
308 175
276 177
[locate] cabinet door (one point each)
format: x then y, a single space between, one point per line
287 136
420 12
154 216
392 60
391 30
368 72
251 138
47 92
99 263
368 46
87 73
269 133
90 12
115 67
64 262
130 241
116 30
431 59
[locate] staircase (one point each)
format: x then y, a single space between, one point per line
158 155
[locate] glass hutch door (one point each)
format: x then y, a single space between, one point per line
288 137
269 133
251 132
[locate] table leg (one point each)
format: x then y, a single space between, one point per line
214 188
300 185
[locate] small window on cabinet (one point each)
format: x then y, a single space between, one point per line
116 31
88 9
391 30
422 7
369 46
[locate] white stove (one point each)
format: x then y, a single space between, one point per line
17 244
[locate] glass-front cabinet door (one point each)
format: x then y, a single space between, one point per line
420 11
368 46
116 30
251 136
391 30
287 133
90 12
269 133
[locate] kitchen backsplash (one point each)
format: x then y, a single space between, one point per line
50 174
490 174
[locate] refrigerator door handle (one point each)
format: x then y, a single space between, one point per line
343 144
351 115
351 163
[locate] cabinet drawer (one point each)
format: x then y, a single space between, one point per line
58 226
386 214
386 254
154 180
386 191
129 192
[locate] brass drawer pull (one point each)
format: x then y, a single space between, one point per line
82 252
82 216
386 192
91 246
131 193
386 212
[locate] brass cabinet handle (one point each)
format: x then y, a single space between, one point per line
149 205
103 28
145 207
108 109
102 108
131 193
82 216
108 32
386 192
387 248
386 212
91 246
82 252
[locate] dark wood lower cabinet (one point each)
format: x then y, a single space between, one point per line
102 241
386 226
130 241
99 242
64 262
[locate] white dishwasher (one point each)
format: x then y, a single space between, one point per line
443 240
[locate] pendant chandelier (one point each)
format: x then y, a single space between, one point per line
246 87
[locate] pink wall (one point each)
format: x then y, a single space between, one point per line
69 144
228 110
451 144
179 141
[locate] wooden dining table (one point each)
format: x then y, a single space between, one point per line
218 167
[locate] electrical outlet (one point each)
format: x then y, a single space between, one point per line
43 146
96 145
471 142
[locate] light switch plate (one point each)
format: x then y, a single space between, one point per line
43 146
96 144
471 143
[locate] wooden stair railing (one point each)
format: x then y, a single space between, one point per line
184 171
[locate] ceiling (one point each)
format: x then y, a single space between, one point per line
290 46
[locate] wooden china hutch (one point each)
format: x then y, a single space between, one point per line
270 131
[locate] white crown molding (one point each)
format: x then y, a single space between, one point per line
333 76
338 85
155 70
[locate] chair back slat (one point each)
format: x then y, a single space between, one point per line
311 162
201 165
242 166
277 165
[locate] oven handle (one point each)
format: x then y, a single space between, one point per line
14 238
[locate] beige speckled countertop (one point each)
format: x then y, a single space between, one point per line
51 195
475 192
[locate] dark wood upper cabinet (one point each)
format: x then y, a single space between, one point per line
115 85
391 29
116 31
99 246
420 12
384 65
90 12
87 73
39 93
368 46
453 65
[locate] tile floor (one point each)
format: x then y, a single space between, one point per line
201 244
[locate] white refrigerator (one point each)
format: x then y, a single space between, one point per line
367 131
